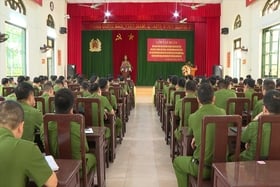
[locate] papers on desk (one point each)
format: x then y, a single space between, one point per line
53 165
88 130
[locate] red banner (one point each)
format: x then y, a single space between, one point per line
40 2
166 50
248 2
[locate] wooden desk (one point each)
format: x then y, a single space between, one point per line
98 137
246 174
68 173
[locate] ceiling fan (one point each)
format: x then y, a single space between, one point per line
92 6
3 37
194 6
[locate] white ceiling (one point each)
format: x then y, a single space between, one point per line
121 1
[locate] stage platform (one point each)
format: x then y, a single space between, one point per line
144 94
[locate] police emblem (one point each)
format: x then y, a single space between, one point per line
95 45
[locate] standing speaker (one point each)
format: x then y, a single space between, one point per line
71 70
218 70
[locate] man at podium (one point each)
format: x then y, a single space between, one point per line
125 68
188 69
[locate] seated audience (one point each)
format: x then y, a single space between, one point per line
188 165
20 160
271 106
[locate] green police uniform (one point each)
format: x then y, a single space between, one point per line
188 165
46 97
249 135
75 143
105 104
172 95
258 108
178 112
19 160
221 97
248 94
12 96
86 94
33 119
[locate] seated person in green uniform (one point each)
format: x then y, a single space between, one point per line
4 83
33 118
20 160
271 106
191 86
188 165
104 86
174 82
249 85
180 86
47 93
37 86
64 102
58 85
106 107
268 84
84 89
223 94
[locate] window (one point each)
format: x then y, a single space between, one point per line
15 50
271 52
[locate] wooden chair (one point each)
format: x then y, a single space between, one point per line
274 146
74 87
255 97
240 94
175 124
7 91
2 99
168 108
40 104
220 144
51 105
240 104
85 107
64 141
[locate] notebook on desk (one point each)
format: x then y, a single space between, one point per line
53 165
88 130
234 129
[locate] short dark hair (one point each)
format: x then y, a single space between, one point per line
268 84
59 81
205 93
223 83
36 80
53 77
4 81
93 87
271 101
63 101
85 85
47 86
102 82
250 82
23 90
182 82
174 79
191 85
20 79
11 114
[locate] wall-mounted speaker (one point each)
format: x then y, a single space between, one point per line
218 70
62 30
224 30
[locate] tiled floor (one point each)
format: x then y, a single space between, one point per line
142 159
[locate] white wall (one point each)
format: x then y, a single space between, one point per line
250 33
36 34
